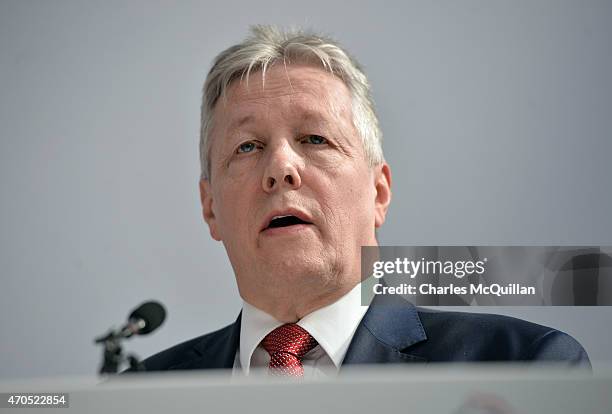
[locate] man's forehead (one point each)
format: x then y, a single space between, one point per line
299 113
302 87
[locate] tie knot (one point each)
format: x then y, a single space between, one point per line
289 338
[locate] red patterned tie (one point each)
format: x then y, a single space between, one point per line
287 345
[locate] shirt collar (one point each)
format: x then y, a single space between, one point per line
333 326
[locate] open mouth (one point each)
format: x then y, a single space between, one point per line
285 221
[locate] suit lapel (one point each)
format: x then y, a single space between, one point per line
215 351
390 325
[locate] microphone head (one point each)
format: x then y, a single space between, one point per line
153 315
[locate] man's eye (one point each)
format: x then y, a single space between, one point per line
315 140
246 147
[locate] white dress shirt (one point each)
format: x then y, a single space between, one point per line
333 326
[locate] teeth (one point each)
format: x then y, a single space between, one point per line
277 217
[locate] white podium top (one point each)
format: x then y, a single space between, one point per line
448 389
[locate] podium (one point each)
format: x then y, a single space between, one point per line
432 388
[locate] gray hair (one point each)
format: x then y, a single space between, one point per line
268 45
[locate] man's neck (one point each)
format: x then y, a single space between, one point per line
292 309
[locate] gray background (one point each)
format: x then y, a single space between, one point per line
496 115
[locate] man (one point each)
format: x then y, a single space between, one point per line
293 184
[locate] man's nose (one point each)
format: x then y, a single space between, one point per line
282 170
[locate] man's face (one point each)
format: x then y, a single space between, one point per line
291 194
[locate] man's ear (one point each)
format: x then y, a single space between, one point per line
207 208
382 182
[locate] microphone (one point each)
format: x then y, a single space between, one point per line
144 319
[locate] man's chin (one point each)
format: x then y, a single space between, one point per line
294 246
296 267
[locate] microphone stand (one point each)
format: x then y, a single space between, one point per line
113 353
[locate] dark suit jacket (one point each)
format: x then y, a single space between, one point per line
395 331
